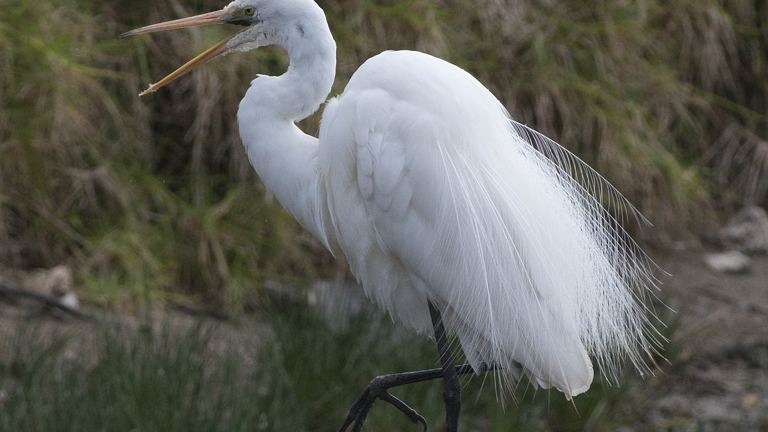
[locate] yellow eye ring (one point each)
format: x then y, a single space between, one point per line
249 11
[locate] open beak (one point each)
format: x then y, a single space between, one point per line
223 16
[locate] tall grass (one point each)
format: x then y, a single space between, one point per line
640 89
154 197
298 374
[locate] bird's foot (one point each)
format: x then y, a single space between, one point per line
377 389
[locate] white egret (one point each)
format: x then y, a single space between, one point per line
452 215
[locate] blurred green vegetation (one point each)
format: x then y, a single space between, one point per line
301 373
154 197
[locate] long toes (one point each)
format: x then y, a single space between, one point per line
404 408
348 421
359 410
362 410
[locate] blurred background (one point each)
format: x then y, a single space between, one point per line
151 206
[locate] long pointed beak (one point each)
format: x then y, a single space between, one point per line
219 17
205 57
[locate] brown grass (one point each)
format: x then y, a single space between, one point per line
155 195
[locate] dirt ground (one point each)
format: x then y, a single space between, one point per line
717 375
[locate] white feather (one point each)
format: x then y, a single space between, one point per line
525 263
434 194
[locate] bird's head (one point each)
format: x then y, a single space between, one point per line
265 22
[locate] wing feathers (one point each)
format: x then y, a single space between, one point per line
445 198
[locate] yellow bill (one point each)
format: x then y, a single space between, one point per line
224 16
205 57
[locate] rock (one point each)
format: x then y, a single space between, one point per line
747 231
55 282
70 300
728 262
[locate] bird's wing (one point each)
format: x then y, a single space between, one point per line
435 196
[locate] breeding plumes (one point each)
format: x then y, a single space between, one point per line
451 214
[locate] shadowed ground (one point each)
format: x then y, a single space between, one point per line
717 379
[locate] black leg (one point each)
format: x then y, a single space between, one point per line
451 384
379 386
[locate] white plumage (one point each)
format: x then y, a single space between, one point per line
434 194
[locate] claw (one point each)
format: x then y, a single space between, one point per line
354 410
377 389
404 408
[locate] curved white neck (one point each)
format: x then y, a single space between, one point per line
299 92
282 155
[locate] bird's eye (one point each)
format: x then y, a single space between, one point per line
249 11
